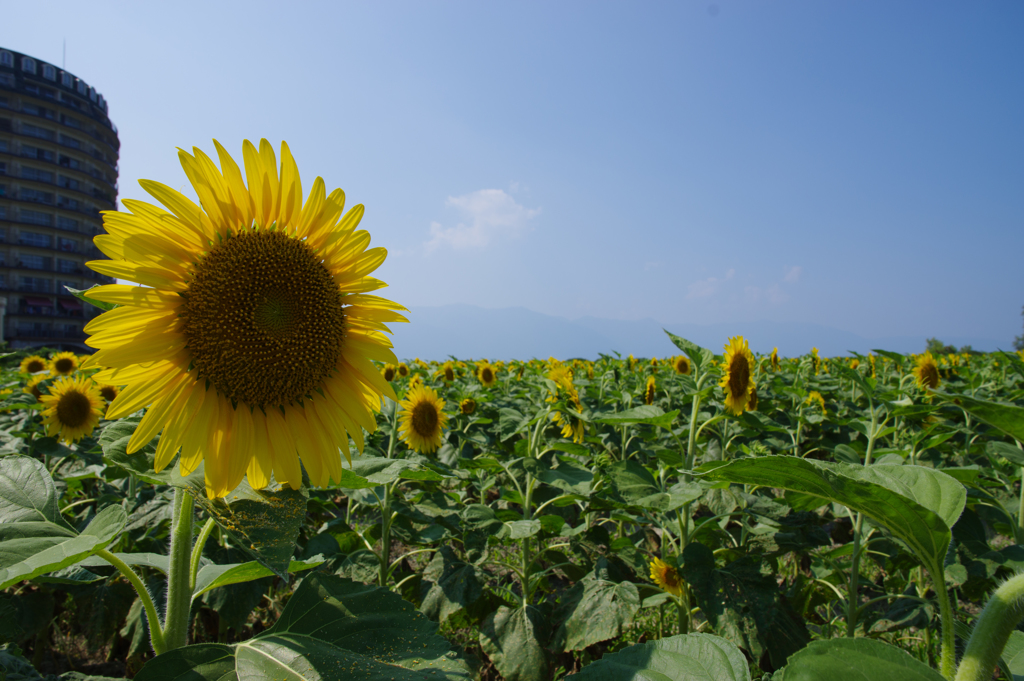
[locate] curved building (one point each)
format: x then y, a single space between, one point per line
58 170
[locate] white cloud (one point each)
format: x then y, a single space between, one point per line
703 288
489 214
793 275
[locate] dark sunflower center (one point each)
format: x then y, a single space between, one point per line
671 578
487 375
73 409
449 374
930 373
109 392
35 365
263 319
389 374
64 365
424 419
739 375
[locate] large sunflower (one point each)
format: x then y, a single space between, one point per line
72 409
738 378
33 365
422 419
63 364
682 365
251 338
649 390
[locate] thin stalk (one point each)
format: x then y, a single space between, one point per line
386 516
197 552
852 606
997 622
156 633
179 595
683 614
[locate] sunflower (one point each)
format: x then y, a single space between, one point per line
388 372
649 390
926 372
737 379
815 397
654 361
32 386
72 409
682 365
446 372
109 392
467 406
871 359
415 381
667 577
486 374
854 363
403 369
33 365
775 359
752 401
63 364
815 360
422 419
252 336
562 377
573 427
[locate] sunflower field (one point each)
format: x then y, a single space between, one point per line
243 482
692 517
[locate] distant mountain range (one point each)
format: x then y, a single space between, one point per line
467 331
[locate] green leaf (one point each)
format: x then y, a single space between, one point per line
377 470
567 475
27 492
647 414
83 295
25 558
635 486
454 586
1008 418
698 355
1013 655
918 505
596 610
331 629
692 657
521 529
213 576
264 523
839 658
743 603
1011 453
512 639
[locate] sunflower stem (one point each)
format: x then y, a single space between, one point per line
179 595
156 634
197 552
385 511
852 602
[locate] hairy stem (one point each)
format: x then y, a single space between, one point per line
1004 609
179 595
156 634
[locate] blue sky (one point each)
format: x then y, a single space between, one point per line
858 165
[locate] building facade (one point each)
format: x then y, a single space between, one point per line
58 170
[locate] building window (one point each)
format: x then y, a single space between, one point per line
28 151
35 284
28 64
33 262
67 223
7 79
49 72
67 245
35 196
68 183
34 239
3 212
68 162
34 217
81 88
6 59
3 145
92 94
71 122
36 131
3 187
65 202
66 80
69 142
67 266
29 173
